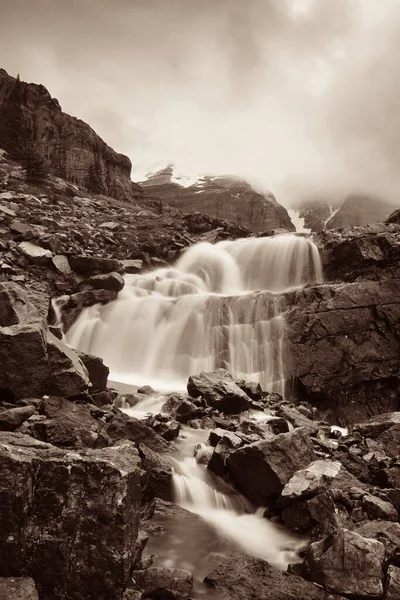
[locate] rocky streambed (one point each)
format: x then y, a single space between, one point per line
85 485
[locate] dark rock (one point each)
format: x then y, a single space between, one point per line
132 266
262 469
146 389
98 371
14 417
386 532
241 577
376 508
394 217
163 583
69 519
346 563
278 425
219 390
343 348
33 361
18 588
105 281
186 411
122 426
93 265
159 474
252 389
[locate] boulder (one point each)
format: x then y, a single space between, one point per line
219 390
132 266
93 265
346 563
18 588
312 480
241 577
61 264
105 281
386 532
160 582
33 361
394 217
159 474
122 426
69 519
13 418
376 508
262 469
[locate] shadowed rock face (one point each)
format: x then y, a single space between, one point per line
68 146
69 519
223 197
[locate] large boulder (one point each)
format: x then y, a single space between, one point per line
342 347
241 577
219 390
160 582
69 519
33 362
93 265
262 469
347 563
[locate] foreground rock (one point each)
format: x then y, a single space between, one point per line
241 577
69 519
159 582
347 563
17 588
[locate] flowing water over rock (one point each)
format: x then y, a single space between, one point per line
205 312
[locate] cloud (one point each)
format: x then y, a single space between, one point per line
298 96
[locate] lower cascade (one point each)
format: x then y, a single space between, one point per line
218 306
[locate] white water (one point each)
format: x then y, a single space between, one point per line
219 306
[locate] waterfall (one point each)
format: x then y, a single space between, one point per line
218 306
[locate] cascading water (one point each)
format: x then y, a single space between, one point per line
219 306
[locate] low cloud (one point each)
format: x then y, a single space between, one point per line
298 96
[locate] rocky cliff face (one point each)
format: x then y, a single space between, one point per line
68 146
223 197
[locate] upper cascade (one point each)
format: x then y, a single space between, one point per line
223 196
203 313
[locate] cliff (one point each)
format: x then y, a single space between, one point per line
69 148
225 197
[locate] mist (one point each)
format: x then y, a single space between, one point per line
299 97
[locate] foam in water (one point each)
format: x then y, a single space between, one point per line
219 306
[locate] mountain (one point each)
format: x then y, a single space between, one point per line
225 197
32 123
354 210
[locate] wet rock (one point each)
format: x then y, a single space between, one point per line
18 588
219 390
97 370
393 576
278 425
93 265
69 519
346 563
14 417
228 437
160 582
122 426
158 483
33 361
312 480
241 577
35 254
186 411
132 266
252 389
262 469
105 281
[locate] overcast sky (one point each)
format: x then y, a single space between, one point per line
299 96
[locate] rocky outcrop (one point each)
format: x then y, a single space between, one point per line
69 519
17 588
342 347
224 197
67 145
33 361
